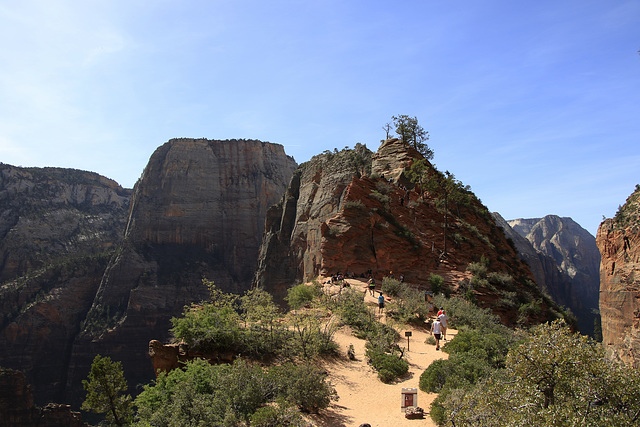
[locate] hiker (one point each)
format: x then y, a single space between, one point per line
443 321
380 303
372 287
436 330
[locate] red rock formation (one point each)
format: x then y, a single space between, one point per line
619 242
333 220
167 357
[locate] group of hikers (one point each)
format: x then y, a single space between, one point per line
439 325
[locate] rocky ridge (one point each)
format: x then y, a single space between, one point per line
333 218
618 239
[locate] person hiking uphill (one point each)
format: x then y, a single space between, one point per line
436 330
442 317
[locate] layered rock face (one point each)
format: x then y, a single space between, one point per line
197 212
619 242
50 214
565 261
58 228
334 219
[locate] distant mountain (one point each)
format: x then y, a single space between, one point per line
565 261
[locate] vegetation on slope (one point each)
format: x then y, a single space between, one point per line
628 215
546 375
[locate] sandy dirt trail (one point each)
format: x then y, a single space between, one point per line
363 398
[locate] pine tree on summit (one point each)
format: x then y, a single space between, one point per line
413 134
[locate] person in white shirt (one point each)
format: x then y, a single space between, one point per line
436 330
443 320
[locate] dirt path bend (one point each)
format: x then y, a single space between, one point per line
363 398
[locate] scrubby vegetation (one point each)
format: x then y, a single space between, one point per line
547 375
629 213
237 394
251 326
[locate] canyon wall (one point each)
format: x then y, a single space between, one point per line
565 261
618 239
91 268
197 212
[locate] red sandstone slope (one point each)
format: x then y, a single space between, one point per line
335 219
619 242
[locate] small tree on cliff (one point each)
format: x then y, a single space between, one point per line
106 388
413 134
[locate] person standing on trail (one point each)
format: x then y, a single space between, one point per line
372 287
380 303
436 330
443 321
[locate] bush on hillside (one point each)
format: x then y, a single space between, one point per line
301 295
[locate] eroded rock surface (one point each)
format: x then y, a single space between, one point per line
619 242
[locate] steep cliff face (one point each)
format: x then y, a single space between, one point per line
619 242
197 211
57 227
334 219
565 261
50 214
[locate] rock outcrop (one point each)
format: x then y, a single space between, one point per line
564 260
197 212
335 219
619 242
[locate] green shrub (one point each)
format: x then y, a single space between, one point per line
409 307
478 269
353 204
301 295
392 287
304 386
389 366
382 198
279 414
436 282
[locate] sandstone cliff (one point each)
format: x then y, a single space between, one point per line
50 214
619 242
335 219
57 228
564 260
197 211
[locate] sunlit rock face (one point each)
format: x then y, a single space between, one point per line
565 260
619 242
339 217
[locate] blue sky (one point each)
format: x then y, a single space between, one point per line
534 104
